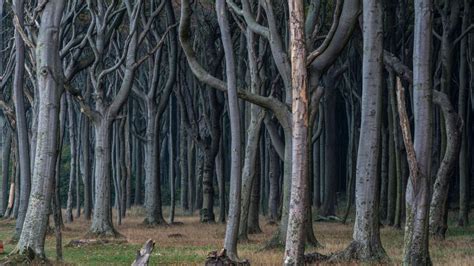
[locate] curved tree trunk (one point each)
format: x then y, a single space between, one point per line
249 168
438 207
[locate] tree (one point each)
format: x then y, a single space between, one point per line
20 114
49 74
366 244
295 240
232 228
416 249
155 100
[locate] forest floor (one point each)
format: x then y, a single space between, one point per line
190 242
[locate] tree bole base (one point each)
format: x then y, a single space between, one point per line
206 216
355 252
154 222
255 230
215 258
110 234
28 256
276 242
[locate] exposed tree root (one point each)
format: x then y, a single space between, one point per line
26 258
355 252
220 258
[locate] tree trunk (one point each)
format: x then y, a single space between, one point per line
183 166
232 228
392 152
416 249
21 121
154 213
138 174
438 207
57 174
50 87
249 171
207 209
86 168
295 238
171 177
192 175
73 145
253 226
463 219
330 154
221 182
274 178
6 150
366 244
102 225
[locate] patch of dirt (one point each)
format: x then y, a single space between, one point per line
176 235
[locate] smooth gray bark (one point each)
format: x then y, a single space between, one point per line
232 228
416 249
438 206
86 167
21 122
366 244
7 140
48 67
249 171
71 118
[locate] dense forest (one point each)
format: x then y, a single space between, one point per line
272 132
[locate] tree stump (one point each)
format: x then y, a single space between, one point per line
143 255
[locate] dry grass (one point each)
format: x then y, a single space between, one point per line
190 242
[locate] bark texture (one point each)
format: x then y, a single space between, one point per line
295 238
48 67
